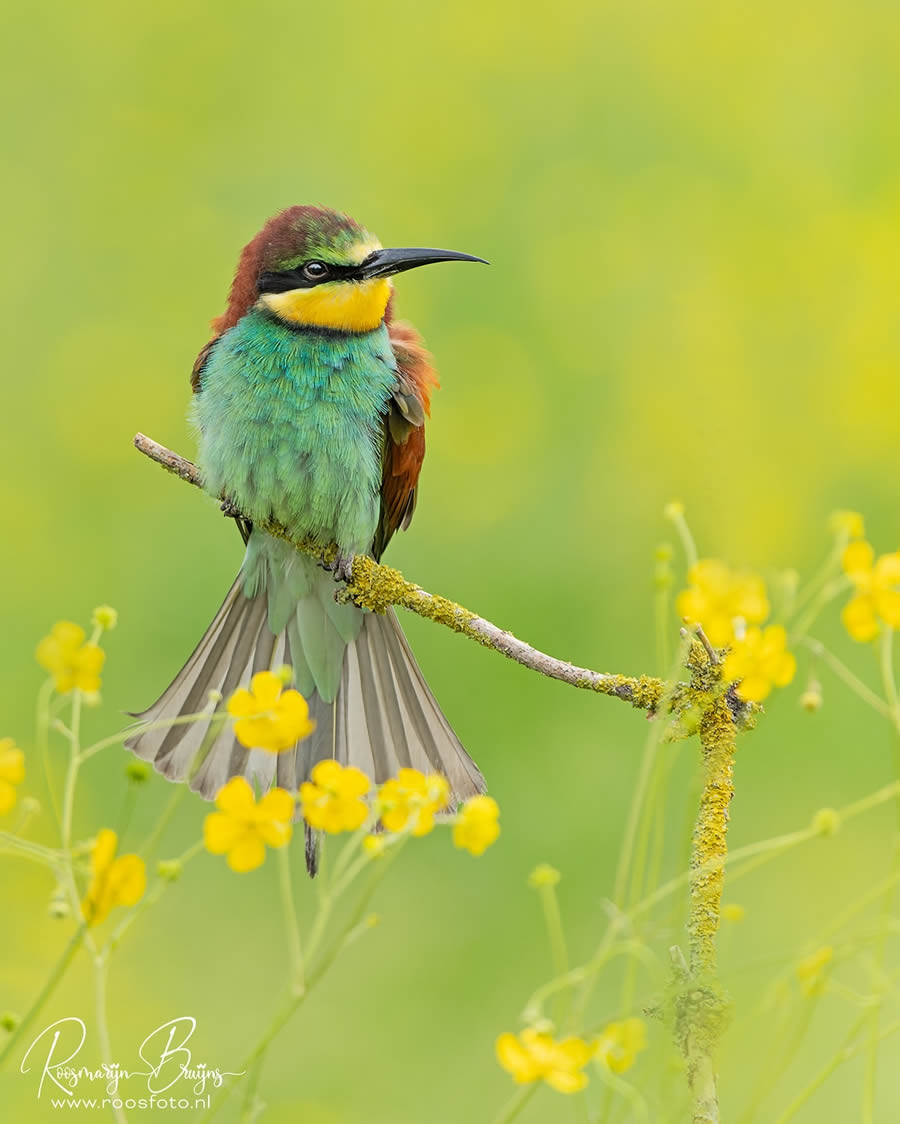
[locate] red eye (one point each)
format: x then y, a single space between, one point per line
315 270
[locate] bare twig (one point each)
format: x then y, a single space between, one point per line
374 586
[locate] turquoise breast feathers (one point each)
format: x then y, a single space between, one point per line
291 426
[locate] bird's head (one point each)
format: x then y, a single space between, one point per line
317 268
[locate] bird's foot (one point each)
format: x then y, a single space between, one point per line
341 566
229 510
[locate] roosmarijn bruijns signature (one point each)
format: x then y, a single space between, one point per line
169 1066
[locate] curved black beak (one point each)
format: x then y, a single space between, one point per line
383 263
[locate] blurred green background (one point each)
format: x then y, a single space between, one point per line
692 215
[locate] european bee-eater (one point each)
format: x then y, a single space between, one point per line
310 401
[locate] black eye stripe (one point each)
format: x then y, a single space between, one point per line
284 281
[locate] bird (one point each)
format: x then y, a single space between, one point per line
310 402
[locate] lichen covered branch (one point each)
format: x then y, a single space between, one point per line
374 586
701 1010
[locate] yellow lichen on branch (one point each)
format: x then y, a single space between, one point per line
376 587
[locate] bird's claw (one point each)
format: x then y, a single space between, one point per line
341 567
229 510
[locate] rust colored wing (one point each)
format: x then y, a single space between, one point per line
200 363
404 432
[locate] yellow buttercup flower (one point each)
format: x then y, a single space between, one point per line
877 598
535 1056
477 828
760 661
812 970
269 717
716 597
411 800
114 881
848 524
12 772
71 662
242 828
619 1044
332 800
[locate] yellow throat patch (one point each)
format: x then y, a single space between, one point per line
343 306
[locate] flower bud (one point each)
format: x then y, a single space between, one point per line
826 822
811 699
543 875
58 906
105 617
673 510
285 673
9 1020
138 772
169 869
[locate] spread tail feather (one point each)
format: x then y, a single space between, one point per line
383 716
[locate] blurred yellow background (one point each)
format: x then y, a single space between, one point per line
692 215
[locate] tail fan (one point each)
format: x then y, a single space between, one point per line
381 717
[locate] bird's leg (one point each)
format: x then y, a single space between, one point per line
341 566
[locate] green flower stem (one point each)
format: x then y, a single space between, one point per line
101 974
150 899
68 803
24 847
516 1103
152 841
160 724
889 681
830 567
295 946
559 953
533 1010
351 928
51 984
828 593
687 539
846 675
625 1089
42 738
782 1052
637 806
846 1051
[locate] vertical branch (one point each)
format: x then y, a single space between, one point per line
700 1007
718 744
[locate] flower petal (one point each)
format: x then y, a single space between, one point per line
247 854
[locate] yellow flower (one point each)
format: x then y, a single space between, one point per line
12 772
760 661
733 912
811 971
242 827
71 661
332 800
620 1043
534 1056
877 598
716 597
847 524
410 801
268 717
477 828
114 881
